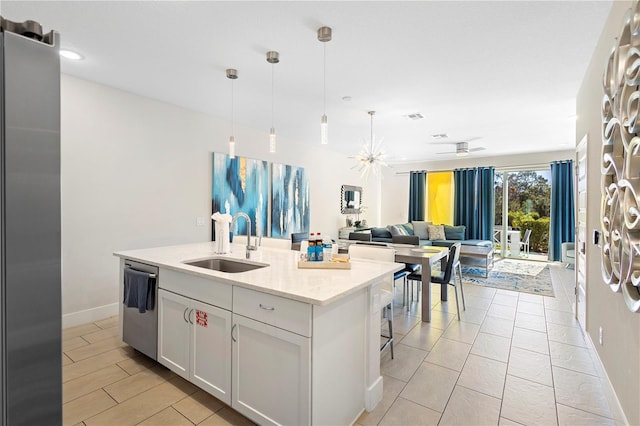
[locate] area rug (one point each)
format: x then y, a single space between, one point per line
520 267
515 275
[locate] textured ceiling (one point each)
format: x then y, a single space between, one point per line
507 72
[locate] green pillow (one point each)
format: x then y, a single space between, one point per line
454 232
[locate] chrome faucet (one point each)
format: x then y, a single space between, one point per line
248 220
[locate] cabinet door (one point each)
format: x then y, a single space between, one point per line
271 373
173 332
211 349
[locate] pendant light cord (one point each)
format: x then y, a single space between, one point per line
272 94
324 78
232 97
372 133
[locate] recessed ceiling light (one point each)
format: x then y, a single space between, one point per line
70 54
346 98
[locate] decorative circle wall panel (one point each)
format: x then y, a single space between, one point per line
620 168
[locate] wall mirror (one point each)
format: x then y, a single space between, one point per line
350 199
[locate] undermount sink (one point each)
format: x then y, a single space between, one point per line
225 265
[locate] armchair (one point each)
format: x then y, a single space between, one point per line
569 253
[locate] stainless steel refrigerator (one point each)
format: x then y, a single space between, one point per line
30 273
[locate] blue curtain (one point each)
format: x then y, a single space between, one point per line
417 195
562 221
474 201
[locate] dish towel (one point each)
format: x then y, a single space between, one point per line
138 290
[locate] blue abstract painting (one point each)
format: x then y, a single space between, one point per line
243 183
289 200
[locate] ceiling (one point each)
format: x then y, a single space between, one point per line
504 71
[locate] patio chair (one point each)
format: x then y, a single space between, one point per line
524 244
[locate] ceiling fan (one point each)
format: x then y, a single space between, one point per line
462 147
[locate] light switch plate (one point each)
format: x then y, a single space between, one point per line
200 221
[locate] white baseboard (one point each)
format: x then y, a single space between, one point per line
610 394
90 315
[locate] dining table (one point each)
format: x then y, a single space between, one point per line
426 257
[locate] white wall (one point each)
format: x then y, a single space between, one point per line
137 172
395 185
621 328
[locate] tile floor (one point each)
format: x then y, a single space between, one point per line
105 382
514 358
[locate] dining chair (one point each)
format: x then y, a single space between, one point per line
360 236
409 268
384 254
297 238
281 243
524 244
447 276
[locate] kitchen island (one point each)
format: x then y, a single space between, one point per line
281 345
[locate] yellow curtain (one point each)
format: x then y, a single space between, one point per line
440 197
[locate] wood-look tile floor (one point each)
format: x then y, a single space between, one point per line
514 358
106 382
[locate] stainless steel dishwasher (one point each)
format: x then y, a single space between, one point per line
140 330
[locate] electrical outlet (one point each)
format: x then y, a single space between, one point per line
600 336
200 221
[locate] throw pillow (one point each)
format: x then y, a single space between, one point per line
420 228
397 230
380 233
436 232
454 232
408 227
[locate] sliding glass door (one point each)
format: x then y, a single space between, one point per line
523 200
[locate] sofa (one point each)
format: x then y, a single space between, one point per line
430 235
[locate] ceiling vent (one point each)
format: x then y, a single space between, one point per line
440 136
414 116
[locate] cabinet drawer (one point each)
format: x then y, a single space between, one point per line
206 290
275 310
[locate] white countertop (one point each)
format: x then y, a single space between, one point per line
282 277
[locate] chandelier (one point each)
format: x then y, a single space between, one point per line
371 156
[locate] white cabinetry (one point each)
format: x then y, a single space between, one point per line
254 350
194 342
173 332
271 373
271 366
